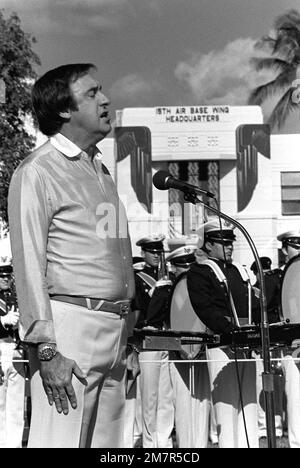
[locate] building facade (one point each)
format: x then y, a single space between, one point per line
226 150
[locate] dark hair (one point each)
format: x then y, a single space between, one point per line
266 263
51 95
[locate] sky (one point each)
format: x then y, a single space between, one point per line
156 52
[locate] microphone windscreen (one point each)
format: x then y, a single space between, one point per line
159 180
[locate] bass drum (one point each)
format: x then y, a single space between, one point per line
183 318
290 291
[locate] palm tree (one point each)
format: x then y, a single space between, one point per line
285 60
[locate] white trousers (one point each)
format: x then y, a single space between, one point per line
291 371
133 415
12 396
156 400
227 399
96 340
191 393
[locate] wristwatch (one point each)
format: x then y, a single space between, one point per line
46 351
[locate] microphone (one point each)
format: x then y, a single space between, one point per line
163 180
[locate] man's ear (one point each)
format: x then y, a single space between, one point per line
284 250
208 246
142 253
65 115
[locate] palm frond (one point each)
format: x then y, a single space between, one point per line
261 93
269 63
265 41
292 33
282 109
287 76
289 19
267 90
286 46
287 28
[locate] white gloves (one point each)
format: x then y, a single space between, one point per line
11 319
158 284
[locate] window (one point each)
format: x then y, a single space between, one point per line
205 175
290 193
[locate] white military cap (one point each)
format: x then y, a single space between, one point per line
176 242
290 237
183 256
214 230
152 242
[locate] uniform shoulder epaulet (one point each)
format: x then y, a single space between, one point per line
139 266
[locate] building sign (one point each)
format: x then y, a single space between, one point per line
191 132
189 114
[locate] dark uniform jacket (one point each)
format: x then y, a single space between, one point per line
273 280
210 299
153 309
7 300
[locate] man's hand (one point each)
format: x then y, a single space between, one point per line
163 282
11 319
57 381
159 284
256 291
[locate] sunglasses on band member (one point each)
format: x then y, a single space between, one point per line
293 245
226 243
153 252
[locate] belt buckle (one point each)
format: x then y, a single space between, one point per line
124 309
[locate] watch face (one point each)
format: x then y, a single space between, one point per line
46 353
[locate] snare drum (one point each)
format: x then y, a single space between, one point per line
183 318
290 291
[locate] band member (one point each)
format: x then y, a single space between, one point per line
190 381
291 248
12 385
219 290
181 259
152 293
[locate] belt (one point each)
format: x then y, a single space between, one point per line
121 308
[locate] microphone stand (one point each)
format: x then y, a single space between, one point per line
268 373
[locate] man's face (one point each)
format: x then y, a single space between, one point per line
216 250
91 118
5 283
152 258
178 270
291 251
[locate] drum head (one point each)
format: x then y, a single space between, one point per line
183 318
290 291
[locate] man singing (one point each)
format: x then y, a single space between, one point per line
74 275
